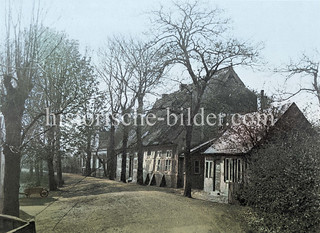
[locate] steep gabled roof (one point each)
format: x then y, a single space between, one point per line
226 81
228 75
292 118
241 139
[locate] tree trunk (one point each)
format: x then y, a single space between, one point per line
88 163
88 150
187 163
31 166
94 166
59 169
124 154
195 105
58 152
139 141
11 182
12 112
111 156
41 168
37 172
50 159
52 181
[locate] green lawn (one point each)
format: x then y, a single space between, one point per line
100 205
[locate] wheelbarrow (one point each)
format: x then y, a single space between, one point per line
37 190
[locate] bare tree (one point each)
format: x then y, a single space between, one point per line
114 108
148 65
197 38
307 66
117 74
19 70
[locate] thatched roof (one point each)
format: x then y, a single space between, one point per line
223 94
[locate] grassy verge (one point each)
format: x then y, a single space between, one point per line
99 205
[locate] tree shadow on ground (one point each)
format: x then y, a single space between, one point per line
33 201
25 216
96 186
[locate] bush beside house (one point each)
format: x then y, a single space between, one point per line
283 184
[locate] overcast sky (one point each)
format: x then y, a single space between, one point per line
287 28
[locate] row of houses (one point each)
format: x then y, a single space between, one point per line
219 153
164 144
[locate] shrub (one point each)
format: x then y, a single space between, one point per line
283 185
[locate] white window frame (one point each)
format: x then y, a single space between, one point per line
168 165
158 165
227 169
233 170
169 154
208 169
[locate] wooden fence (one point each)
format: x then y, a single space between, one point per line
13 224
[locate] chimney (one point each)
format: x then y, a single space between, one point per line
183 86
164 95
262 101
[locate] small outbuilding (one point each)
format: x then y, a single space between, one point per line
220 168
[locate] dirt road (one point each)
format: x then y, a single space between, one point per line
100 205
